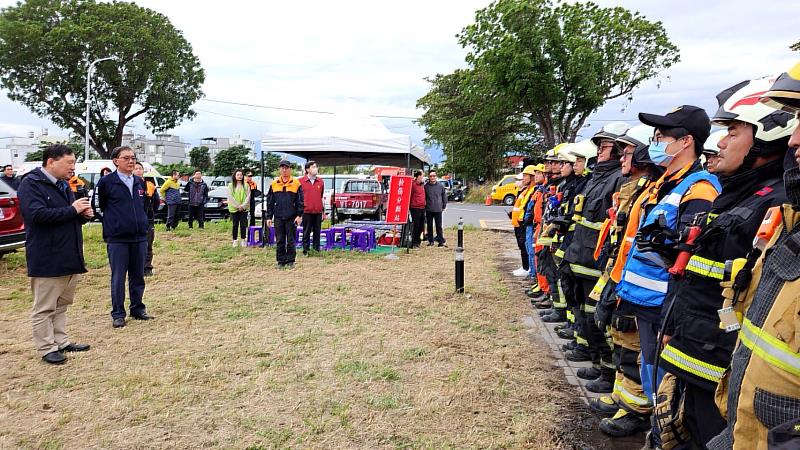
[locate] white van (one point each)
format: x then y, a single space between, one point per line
89 171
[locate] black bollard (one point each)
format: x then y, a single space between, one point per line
460 258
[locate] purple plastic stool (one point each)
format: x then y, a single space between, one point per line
338 238
251 236
328 234
359 240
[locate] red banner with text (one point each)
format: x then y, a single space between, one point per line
399 199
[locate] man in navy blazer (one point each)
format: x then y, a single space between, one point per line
53 248
120 196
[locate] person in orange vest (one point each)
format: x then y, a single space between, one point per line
532 219
254 192
151 202
78 187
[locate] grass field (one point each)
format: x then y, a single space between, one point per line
346 351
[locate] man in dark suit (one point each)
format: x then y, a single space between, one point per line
121 197
53 248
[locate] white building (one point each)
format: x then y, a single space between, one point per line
163 149
217 144
14 149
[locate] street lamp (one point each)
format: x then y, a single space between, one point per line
89 99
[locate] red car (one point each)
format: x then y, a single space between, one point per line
12 229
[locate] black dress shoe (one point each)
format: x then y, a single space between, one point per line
54 358
148 273
75 348
118 322
430 244
142 316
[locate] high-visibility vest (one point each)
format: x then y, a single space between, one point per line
75 183
643 281
518 213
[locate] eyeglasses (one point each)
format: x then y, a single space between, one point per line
626 154
660 139
127 158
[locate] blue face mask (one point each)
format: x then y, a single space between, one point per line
658 153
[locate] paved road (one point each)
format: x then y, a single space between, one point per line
477 215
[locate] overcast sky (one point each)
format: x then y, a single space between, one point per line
371 57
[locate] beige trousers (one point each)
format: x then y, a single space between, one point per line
51 296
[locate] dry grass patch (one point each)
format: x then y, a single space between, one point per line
346 351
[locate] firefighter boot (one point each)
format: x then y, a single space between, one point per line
558 316
600 386
604 405
589 373
579 354
624 424
566 333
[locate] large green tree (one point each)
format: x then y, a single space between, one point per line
236 157
560 62
475 125
200 158
46 46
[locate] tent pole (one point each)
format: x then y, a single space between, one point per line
333 198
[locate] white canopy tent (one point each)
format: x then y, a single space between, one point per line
347 140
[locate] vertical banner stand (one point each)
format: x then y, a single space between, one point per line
391 256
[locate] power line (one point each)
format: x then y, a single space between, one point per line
249 119
279 108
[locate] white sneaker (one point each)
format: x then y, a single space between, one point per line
243 244
235 244
520 272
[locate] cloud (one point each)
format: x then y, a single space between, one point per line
372 56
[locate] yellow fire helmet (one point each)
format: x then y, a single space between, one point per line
784 94
530 170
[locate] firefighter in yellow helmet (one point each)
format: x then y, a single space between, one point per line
760 394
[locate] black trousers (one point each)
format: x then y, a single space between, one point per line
239 219
172 216
417 223
197 212
127 261
519 233
285 230
701 415
252 212
432 217
312 223
151 235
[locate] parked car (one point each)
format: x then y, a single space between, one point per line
12 228
505 190
361 198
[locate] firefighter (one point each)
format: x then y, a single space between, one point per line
580 268
546 265
540 292
574 169
557 215
750 168
670 203
711 150
628 405
761 391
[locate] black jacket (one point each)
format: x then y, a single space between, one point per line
124 217
53 234
597 199
694 322
285 200
11 181
193 186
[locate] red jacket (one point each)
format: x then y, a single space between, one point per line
418 195
312 195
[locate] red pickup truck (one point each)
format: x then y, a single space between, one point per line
361 198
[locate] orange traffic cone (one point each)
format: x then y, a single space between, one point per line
488 201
